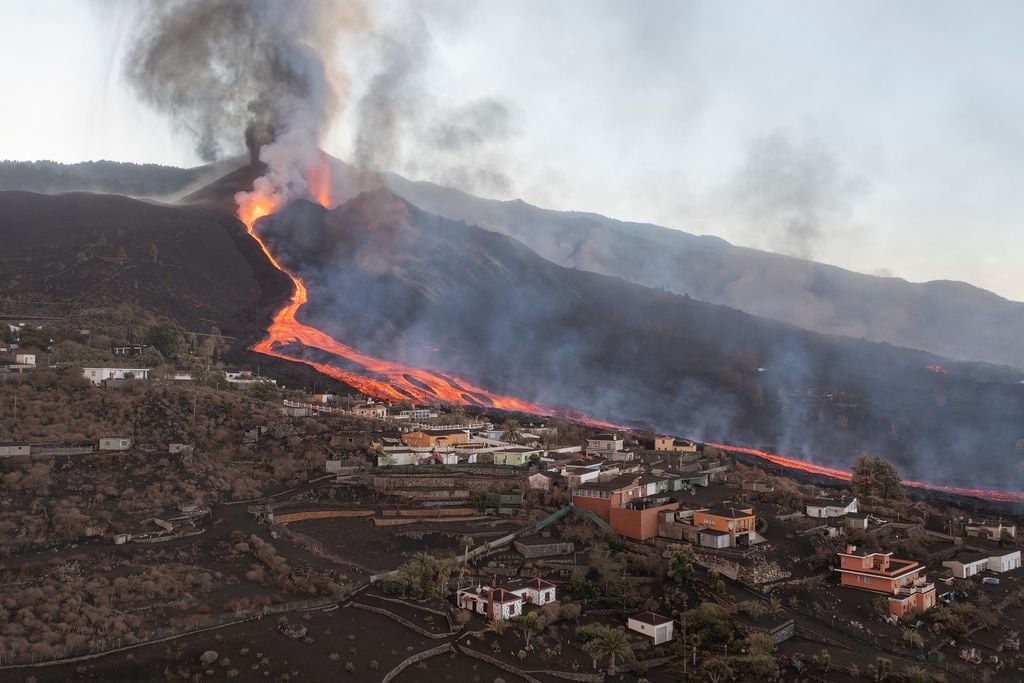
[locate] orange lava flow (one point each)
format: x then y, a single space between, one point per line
375 377
987 494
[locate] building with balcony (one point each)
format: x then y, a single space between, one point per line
908 590
729 525
622 502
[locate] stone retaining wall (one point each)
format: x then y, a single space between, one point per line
418 657
496 662
403 621
320 514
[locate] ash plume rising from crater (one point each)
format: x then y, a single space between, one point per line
254 71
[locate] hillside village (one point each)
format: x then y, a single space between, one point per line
177 494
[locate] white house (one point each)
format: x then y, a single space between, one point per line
98 375
828 507
25 358
492 603
967 565
415 414
577 475
654 626
989 529
12 449
246 380
118 443
1003 561
604 443
535 591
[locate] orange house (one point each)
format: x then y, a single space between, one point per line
738 522
908 590
621 502
601 496
639 518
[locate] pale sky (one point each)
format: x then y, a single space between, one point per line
882 137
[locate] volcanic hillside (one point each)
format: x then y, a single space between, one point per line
400 283
195 266
952 319
948 318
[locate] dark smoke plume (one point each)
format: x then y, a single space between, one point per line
254 71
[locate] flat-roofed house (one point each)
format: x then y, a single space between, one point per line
601 496
670 443
115 443
655 626
830 507
1003 560
99 375
605 443
738 522
966 565
435 438
901 580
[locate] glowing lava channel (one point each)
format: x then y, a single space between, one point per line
388 380
1000 496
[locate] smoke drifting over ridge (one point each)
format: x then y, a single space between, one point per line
790 195
403 128
259 68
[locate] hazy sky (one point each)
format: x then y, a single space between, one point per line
883 137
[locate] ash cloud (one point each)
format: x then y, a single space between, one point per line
257 72
789 194
401 127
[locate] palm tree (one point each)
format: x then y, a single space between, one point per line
529 625
497 626
717 670
607 642
916 674
510 431
466 541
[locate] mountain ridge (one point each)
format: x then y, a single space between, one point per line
946 317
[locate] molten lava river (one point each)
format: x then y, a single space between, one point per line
388 380
374 377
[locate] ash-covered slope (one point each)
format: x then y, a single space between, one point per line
403 284
952 319
107 177
193 265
